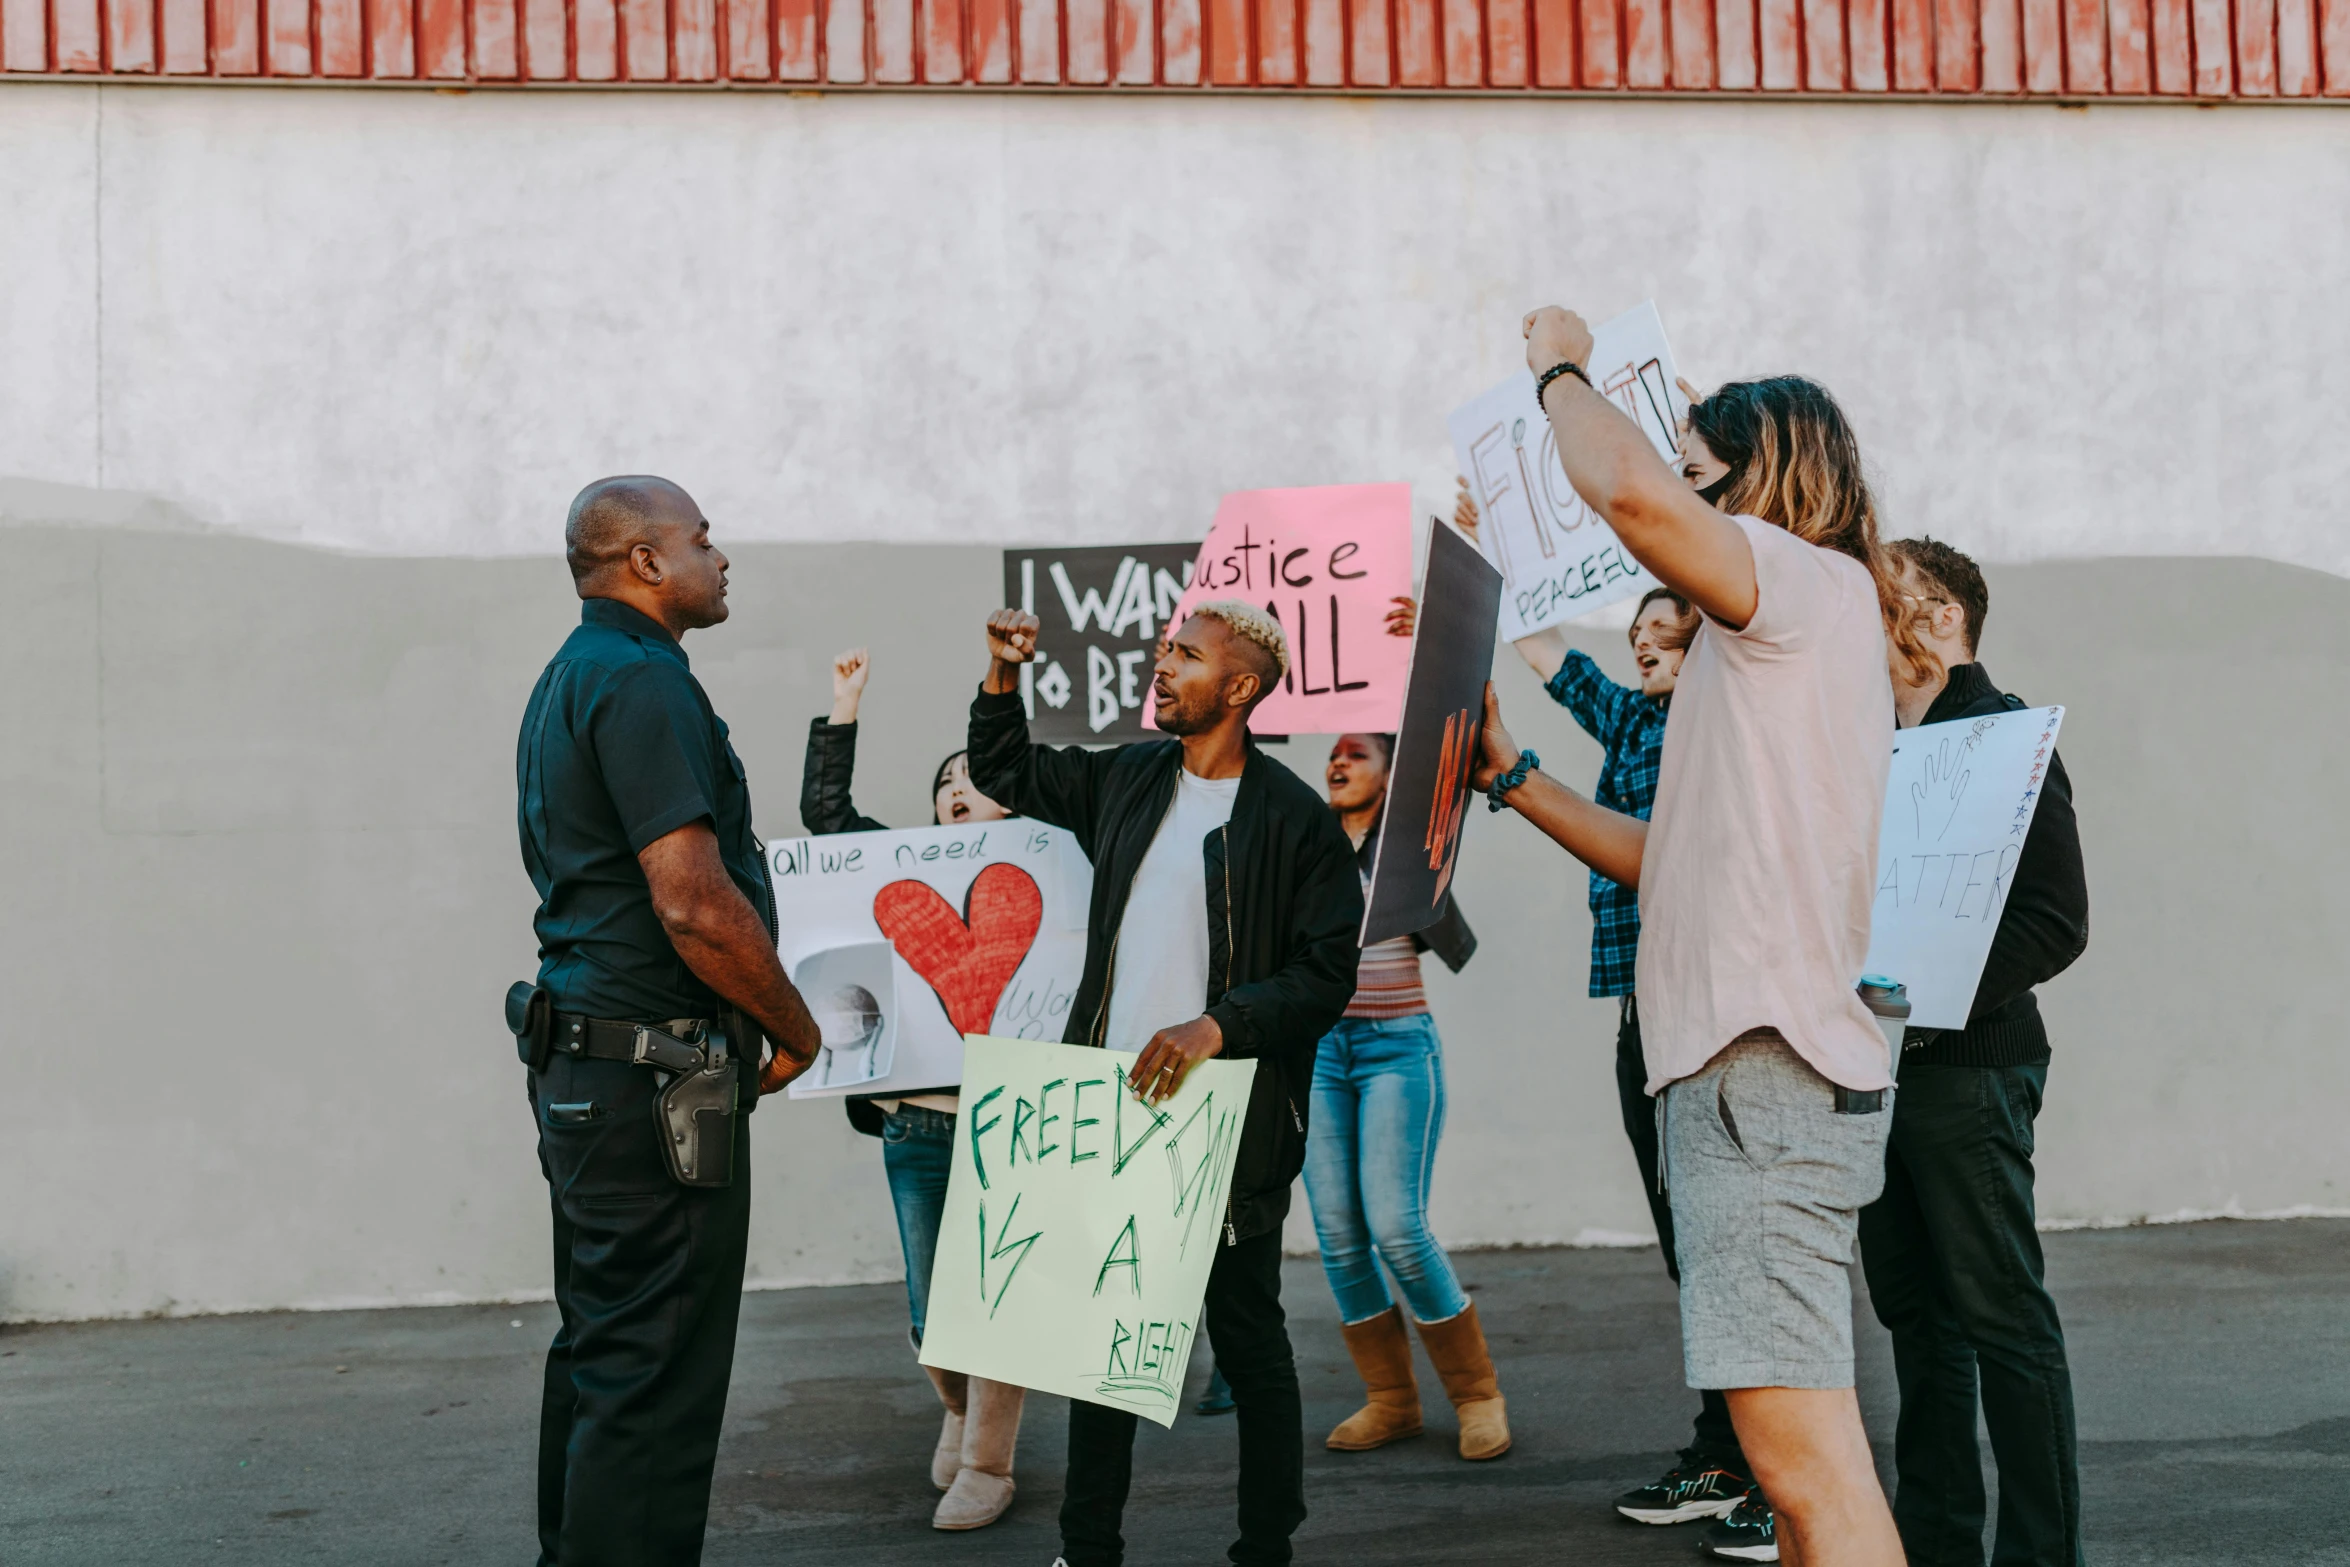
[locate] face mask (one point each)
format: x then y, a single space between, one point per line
1712 494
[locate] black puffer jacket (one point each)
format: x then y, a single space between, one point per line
1284 909
825 806
2044 926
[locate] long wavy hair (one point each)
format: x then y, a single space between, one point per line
1794 461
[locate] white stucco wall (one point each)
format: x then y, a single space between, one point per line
410 323
255 797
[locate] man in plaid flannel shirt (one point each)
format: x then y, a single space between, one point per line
1630 727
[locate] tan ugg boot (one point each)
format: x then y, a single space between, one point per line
1457 1347
1382 1353
982 1491
947 1460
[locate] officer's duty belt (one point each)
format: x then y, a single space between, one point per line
672 1045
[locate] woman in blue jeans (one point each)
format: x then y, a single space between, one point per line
973 1461
1378 1109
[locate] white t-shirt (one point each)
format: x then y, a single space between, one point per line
1160 973
1760 866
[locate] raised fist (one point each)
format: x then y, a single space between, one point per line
849 670
1553 335
1011 636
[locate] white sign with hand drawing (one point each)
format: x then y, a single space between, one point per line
1558 559
1958 803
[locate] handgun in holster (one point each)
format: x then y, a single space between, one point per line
695 1108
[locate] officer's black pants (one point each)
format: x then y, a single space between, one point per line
1954 1270
1713 1435
1251 1342
649 1277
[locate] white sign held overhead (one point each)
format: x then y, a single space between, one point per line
1557 558
1958 802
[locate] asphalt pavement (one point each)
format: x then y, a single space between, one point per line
2211 1367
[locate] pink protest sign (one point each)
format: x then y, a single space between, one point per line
1328 562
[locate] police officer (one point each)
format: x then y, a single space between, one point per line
657 979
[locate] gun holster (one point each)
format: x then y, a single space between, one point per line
695 1113
747 1042
530 1016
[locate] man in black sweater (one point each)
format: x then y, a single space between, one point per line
1223 923
1950 1249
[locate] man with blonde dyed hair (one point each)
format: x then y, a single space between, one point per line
1225 907
1251 624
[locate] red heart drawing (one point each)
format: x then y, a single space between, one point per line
967 960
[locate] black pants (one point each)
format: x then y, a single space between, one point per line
1953 1265
649 1278
1713 1435
1251 1343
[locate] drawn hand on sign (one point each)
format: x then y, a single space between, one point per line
1939 787
1169 1057
967 959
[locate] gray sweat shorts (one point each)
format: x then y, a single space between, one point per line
1767 1179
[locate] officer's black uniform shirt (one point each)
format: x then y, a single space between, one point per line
621 747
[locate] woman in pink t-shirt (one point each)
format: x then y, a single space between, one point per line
1756 872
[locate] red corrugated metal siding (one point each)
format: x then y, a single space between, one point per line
2085 49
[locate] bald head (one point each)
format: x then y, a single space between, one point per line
613 516
643 541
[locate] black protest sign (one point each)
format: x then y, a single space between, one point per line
1428 793
1103 610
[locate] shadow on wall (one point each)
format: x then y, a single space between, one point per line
257 807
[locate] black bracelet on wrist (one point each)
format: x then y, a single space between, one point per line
1563 367
1527 762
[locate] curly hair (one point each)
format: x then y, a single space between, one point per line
1953 574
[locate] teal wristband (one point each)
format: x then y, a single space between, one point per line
1527 762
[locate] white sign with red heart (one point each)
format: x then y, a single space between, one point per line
982 928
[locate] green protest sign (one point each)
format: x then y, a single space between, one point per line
1080 1223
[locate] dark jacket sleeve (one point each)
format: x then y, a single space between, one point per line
1449 938
825 806
2045 924
1303 1000
1059 785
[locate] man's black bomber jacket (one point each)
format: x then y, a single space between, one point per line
1284 910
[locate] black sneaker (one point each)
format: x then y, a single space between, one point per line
1696 1487
1749 1534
